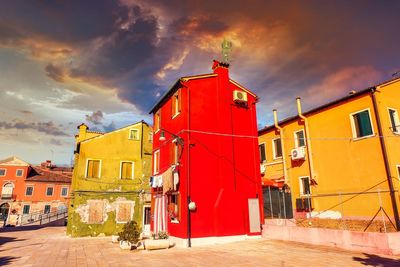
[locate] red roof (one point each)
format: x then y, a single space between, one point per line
55 175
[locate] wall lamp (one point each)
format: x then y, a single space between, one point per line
179 140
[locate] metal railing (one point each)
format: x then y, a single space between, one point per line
40 218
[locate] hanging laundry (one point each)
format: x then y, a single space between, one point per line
176 180
167 180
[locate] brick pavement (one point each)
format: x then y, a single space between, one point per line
50 247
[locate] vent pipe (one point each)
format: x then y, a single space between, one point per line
281 136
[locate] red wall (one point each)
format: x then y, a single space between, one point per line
223 170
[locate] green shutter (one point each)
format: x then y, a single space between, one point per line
365 123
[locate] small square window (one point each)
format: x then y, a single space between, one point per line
29 191
26 209
157 121
126 170
277 148
2 172
176 104
64 191
19 172
362 125
134 134
49 191
263 157
93 169
156 163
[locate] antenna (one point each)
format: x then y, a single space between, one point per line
396 74
226 50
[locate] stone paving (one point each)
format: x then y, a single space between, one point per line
50 246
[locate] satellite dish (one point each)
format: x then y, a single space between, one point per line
226 50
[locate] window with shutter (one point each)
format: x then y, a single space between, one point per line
263 157
277 148
361 124
93 169
394 121
126 170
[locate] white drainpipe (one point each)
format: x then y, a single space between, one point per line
282 145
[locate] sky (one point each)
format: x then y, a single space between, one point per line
106 63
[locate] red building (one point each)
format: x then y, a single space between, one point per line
29 191
206 185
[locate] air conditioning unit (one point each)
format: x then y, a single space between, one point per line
298 153
262 168
239 96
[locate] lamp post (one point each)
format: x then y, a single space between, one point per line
190 205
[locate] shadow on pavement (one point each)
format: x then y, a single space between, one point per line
7 260
56 223
5 239
375 260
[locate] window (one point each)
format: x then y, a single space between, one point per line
19 172
157 120
93 168
305 186
394 121
49 191
398 171
126 171
277 148
176 104
2 172
299 139
96 211
124 212
134 134
361 124
29 191
173 207
156 163
64 191
47 209
175 152
150 137
26 209
7 191
263 157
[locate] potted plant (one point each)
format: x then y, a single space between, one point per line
158 241
129 236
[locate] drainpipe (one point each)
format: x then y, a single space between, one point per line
386 160
280 129
308 139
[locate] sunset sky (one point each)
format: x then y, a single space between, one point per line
105 63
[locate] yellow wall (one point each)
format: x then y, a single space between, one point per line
342 165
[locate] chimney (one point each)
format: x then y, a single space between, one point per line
220 68
83 128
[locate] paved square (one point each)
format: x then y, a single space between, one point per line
50 246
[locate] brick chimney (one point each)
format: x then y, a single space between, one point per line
83 128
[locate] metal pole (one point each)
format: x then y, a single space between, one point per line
284 206
380 208
270 202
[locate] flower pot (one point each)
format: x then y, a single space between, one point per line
125 245
151 244
114 238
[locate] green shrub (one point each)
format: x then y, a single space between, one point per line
130 232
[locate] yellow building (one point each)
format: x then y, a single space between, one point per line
110 183
338 158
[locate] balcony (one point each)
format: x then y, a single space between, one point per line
7 196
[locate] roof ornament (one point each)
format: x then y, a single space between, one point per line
226 50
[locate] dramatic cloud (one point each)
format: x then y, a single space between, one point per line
96 117
49 128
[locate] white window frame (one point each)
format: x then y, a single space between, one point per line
273 149
176 151
117 210
22 172
130 136
396 121
86 169
265 151
353 127
157 117
156 167
49 186
296 139
133 169
175 98
301 185
62 187
398 170
5 172
23 207
33 189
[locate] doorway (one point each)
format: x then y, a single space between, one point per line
146 220
4 209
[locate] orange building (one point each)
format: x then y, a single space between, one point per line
339 160
28 190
